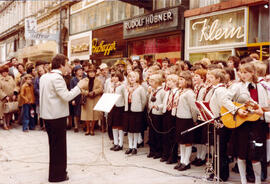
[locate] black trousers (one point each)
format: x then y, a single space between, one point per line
56 130
169 144
224 137
155 138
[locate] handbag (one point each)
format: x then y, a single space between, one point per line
83 100
10 107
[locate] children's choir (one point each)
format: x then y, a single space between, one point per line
163 96
169 94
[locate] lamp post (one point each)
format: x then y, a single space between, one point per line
60 29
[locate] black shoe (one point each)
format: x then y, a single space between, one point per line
59 180
156 156
163 159
118 148
140 145
134 151
113 147
184 167
235 168
76 130
128 151
194 162
171 161
211 177
150 155
200 162
250 179
177 166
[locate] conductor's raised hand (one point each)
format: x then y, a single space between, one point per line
83 84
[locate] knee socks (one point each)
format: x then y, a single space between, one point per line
130 140
182 153
115 136
121 137
187 154
135 140
242 170
257 172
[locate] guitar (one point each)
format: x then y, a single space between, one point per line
233 121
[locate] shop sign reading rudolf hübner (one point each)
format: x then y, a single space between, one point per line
152 23
224 28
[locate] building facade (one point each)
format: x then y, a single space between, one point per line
47 14
105 23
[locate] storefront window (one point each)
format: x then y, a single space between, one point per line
167 46
104 13
265 52
258 24
246 51
220 55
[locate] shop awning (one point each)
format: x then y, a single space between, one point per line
44 51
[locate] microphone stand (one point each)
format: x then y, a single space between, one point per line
211 120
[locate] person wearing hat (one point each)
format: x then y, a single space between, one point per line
104 73
91 94
76 102
85 66
121 65
7 93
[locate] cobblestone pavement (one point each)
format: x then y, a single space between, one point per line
24 160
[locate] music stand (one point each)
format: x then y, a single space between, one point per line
208 117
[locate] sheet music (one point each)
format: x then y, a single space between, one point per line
106 102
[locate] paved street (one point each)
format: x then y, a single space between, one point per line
24 160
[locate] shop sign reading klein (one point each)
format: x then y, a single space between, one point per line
222 28
102 47
216 31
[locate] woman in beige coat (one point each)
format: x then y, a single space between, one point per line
7 88
91 96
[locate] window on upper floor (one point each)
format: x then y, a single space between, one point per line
202 3
258 24
159 4
104 13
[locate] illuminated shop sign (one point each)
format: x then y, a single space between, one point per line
159 22
217 29
107 48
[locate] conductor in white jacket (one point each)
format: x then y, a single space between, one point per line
54 98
